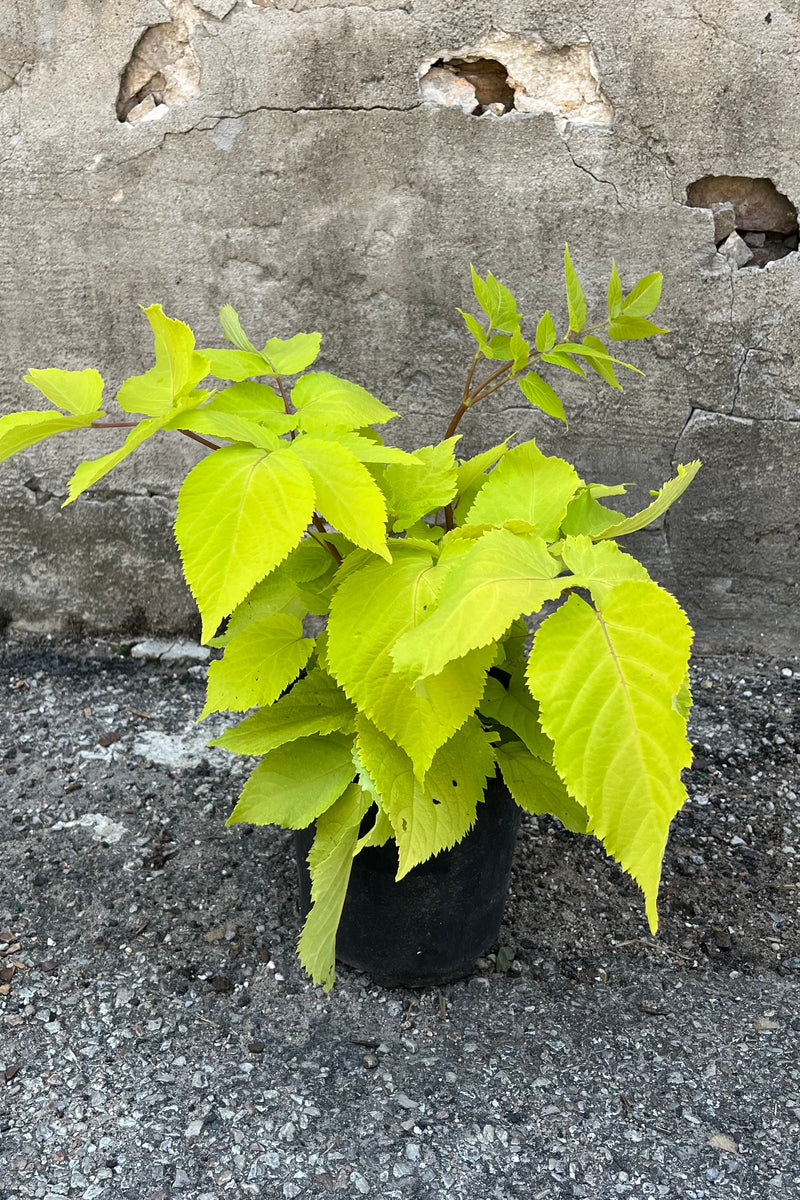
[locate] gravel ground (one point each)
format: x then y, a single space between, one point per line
158 1040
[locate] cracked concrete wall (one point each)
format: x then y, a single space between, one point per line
307 183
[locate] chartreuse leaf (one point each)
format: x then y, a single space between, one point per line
296 782
279 356
292 355
88 473
277 593
472 476
240 512
614 293
327 405
177 372
668 494
585 514
498 347
22 429
232 328
527 486
591 353
605 680
419 718
538 788
514 707
429 816
628 329
682 700
257 665
560 359
545 333
368 451
316 704
76 392
500 577
644 298
413 490
254 401
496 301
502 306
520 351
235 365
330 862
576 301
347 495
231 427
541 395
475 328
600 566
602 363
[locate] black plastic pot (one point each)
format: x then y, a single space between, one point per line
430 927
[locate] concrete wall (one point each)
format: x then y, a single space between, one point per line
287 163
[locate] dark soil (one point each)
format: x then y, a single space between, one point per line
157 1038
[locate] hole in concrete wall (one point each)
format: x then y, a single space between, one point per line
163 69
754 224
476 86
505 72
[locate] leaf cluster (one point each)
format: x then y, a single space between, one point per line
388 724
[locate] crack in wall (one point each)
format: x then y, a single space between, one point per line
597 178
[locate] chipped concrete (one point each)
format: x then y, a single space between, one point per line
561 80
163 69
302 178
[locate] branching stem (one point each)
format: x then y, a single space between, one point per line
319 524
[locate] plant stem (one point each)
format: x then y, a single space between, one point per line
132 425
476 395
287 406
471 372
319 524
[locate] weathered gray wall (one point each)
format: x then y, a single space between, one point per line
308 184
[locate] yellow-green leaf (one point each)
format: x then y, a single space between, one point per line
418 718
90 472
605 680
545 334
330 862
316 704
178 370
500 576
541 395
576 301
668 494
22 429
414 490
296 782
232 328
327 405
291 355
538 788
429 816
644 298
76 392
527 486
258 665
347 495
614 293
240 512
235 365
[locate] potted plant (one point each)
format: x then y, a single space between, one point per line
416 709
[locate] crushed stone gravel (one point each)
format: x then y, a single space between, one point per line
158 1039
